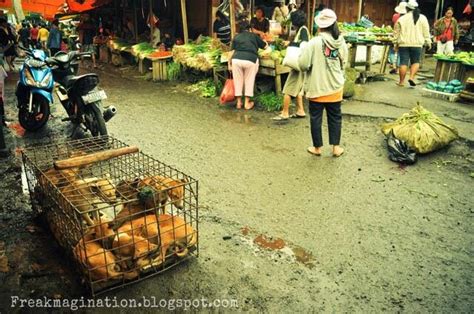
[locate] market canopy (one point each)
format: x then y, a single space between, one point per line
49 8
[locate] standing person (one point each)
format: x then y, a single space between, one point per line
243 62
324 56
25 35
295 82
394 58
156 35
281 11
54 38
221 28
446 31
34 36
88 33
292 6
260 24
411 33
43 35
7 42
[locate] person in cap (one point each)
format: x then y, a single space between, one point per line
295 81
324 57
280 14
411 33
394 59
292 6
446 32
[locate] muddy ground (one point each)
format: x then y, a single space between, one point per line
358 233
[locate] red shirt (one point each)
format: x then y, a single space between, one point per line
448 32
395 18
34 34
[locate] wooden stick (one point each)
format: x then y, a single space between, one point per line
185 21
311 18
232 18
93 158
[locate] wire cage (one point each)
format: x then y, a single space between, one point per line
120 214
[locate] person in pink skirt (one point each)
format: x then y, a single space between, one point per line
243 63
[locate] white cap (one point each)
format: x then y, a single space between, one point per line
325 18
401 8
412 4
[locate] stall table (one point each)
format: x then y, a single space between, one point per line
160 67
367 63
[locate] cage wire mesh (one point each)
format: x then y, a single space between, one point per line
122 219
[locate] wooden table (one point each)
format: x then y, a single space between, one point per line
368 62
160 67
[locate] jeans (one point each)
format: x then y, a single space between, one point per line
333 111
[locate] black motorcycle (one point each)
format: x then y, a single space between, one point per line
80 95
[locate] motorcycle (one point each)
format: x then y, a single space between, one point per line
34 90
79 95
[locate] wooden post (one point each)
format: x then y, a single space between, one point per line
152 25
308 12
311 17
359 14
185 21
232 18
135 21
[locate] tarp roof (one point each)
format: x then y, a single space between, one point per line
49 8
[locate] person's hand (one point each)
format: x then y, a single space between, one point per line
286 43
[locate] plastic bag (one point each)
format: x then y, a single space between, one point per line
467 9
228 92
422 130
398 150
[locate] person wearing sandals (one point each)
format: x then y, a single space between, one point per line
243 62
411 33
324 58
295 82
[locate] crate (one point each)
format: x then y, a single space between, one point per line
121 219
440 95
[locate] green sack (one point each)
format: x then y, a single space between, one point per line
455 83
422 130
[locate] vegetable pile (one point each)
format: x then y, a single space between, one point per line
270 101
201 55
206 88
422 130
142 50
452 87
119 44
464 57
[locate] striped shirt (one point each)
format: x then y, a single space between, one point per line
222 29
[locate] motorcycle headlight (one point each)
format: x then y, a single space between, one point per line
46 80
29 78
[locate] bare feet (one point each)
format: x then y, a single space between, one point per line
314 150
337 151
249 105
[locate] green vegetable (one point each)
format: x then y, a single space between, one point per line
207 88
174 71
270 101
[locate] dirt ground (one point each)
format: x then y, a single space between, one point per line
358 233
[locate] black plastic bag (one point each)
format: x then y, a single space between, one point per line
398 150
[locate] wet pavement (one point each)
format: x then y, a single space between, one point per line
282 230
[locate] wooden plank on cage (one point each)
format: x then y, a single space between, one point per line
94 157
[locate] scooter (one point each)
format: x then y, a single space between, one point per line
34 90
79 95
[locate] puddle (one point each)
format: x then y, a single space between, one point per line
267 243
277 247
24 182
238 117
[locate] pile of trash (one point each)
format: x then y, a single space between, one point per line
418 131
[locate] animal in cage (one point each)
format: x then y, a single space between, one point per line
98 261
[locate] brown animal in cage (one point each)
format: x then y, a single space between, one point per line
172 232
101 263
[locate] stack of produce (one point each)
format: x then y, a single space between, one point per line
352 32
275 51
142 50
201 55
422 130
118 44
463 56
452 87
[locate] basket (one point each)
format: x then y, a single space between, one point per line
119 214
440 95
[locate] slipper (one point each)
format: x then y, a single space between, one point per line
393 71
280 118
412 83
297 116
310 150
400 85
336 156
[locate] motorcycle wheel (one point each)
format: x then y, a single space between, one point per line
38 118
95 122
